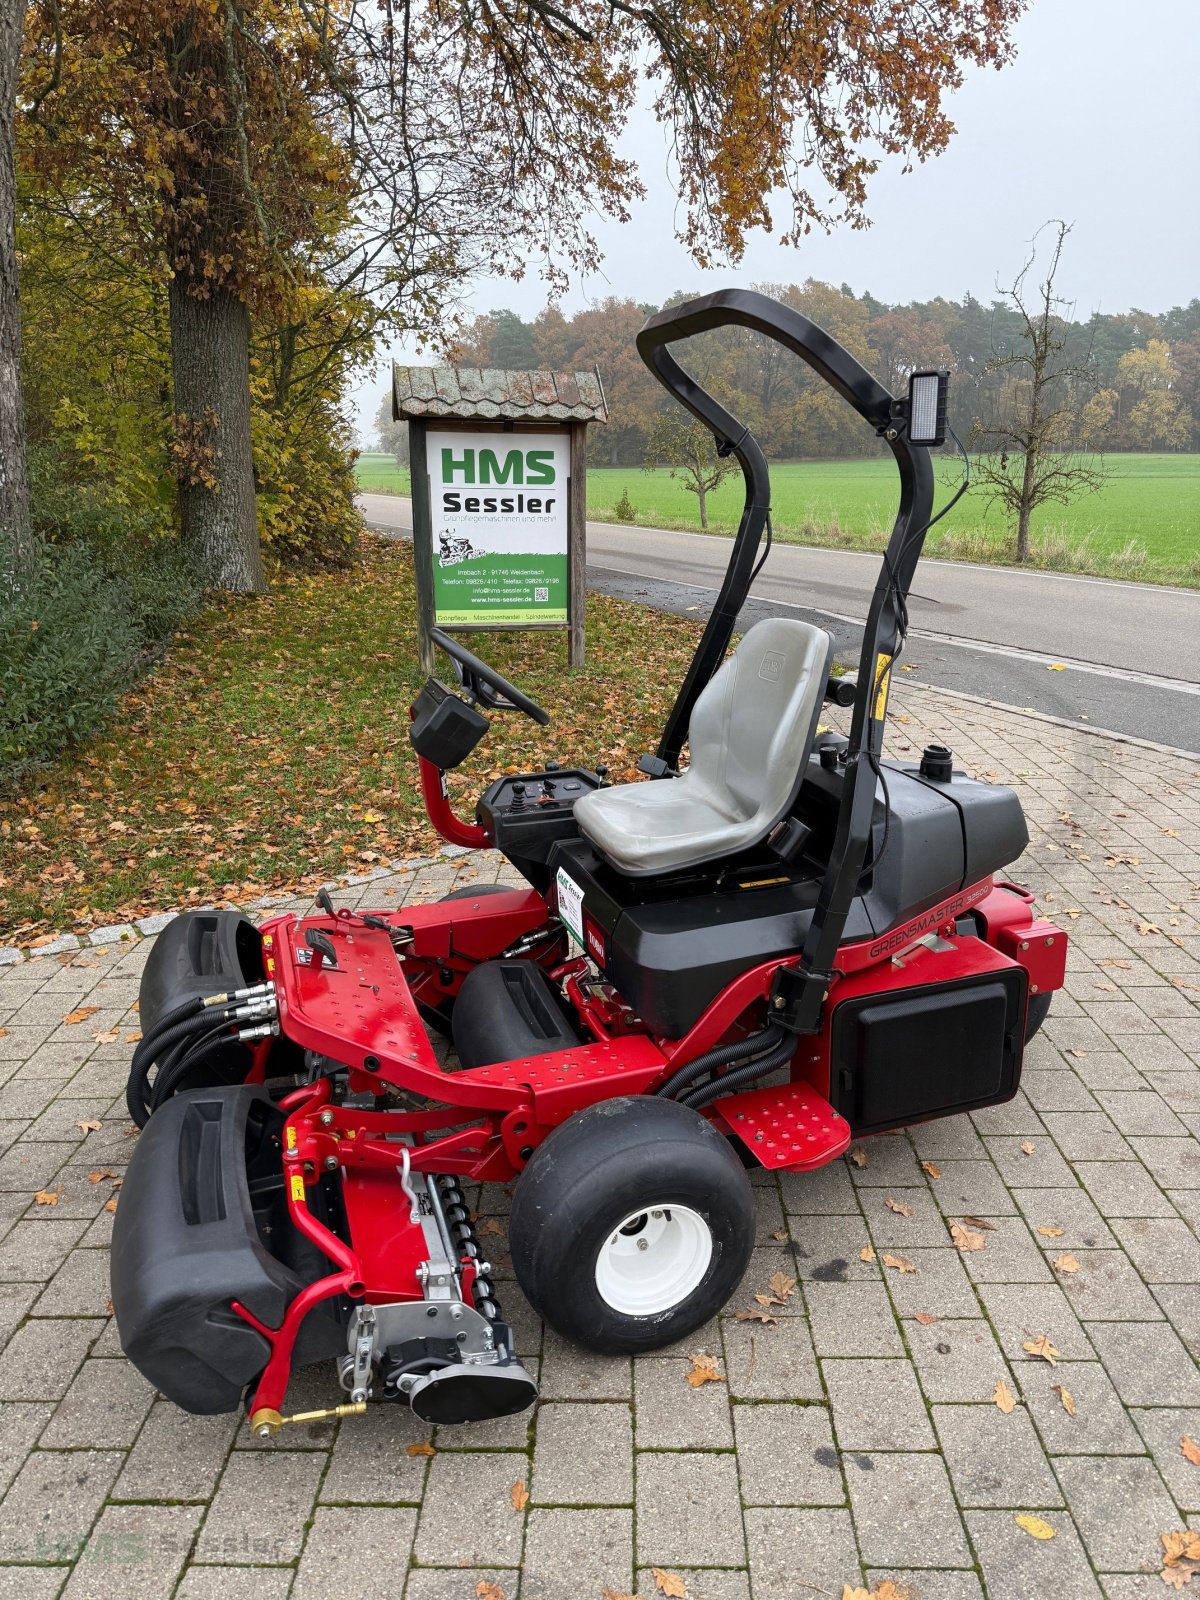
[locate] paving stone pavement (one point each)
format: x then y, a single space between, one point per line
855 1440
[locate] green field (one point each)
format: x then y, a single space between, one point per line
1144 523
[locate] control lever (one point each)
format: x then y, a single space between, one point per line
317 939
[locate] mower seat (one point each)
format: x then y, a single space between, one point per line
751 731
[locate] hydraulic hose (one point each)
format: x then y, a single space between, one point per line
137 1093
774 1059
168 1077
719 1056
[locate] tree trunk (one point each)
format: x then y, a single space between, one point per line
1026 505
16 536
703 498
210 363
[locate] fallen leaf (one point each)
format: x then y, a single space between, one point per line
978 1222
519 1495
1049 1232
1147 928
1108 988
81 1015
780 1235
669 1583
1041 1346
897 1263
423 1449
926 1318
1056 666
1113 961
1003 1397
1027 1148
1181 1556
99 1177
900 1207
491 1226
1035 1527
1065 1396
933 1171
1066 1263
867 1253
132 1038
110 1037
1080 1055
494 1591
782 1287
605 1594
89 1127
49 1197
704 1370
1190 1449
859 1156
111 1205
764 1317
965 1239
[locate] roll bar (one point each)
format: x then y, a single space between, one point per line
881 634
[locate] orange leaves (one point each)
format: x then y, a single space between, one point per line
966 1239
669 1583
1065 1398
703 1370
1066 1263
897 1263
519 1495
900 1207
859 1156
1003 1397
80 1014
933 1170
1190 1450
1181 1557
422 1448
49 1197
1040 1345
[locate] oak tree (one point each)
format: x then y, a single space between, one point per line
399 148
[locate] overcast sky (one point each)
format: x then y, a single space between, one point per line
1097 120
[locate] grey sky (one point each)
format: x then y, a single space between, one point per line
1097 121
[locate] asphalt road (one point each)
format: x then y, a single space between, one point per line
1129 653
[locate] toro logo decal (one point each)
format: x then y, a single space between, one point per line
593 938
932 919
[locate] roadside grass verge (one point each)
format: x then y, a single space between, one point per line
270 749
1143 525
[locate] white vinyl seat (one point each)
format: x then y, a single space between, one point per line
750 735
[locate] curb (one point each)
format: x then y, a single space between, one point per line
147 927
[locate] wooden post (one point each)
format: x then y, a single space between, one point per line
422 542
577 545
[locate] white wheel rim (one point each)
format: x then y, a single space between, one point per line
653 1260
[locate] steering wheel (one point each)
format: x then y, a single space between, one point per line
484 683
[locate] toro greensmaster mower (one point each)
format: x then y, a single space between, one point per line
746 961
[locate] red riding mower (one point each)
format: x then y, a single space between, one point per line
785 945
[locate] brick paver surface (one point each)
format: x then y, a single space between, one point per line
855 1440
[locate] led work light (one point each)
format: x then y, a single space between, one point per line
927 407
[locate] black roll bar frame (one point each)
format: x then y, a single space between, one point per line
881 633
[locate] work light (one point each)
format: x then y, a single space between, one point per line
927 407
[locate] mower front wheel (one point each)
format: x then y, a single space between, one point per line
631 1225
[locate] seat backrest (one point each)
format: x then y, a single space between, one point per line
753 726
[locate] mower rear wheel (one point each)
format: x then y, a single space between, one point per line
1036 1014
631 1225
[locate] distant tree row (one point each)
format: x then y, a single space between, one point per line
1130 381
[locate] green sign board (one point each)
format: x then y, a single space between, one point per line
498 507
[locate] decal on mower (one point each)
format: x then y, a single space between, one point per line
570 904
932 919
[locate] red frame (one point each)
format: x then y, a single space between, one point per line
363 1012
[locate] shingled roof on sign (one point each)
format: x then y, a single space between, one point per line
468 392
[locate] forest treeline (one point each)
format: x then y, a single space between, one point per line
1135 381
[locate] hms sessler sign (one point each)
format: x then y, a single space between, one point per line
499 510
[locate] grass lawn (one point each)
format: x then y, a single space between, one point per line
1144 523
271 749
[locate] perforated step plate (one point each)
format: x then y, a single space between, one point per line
791 1126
